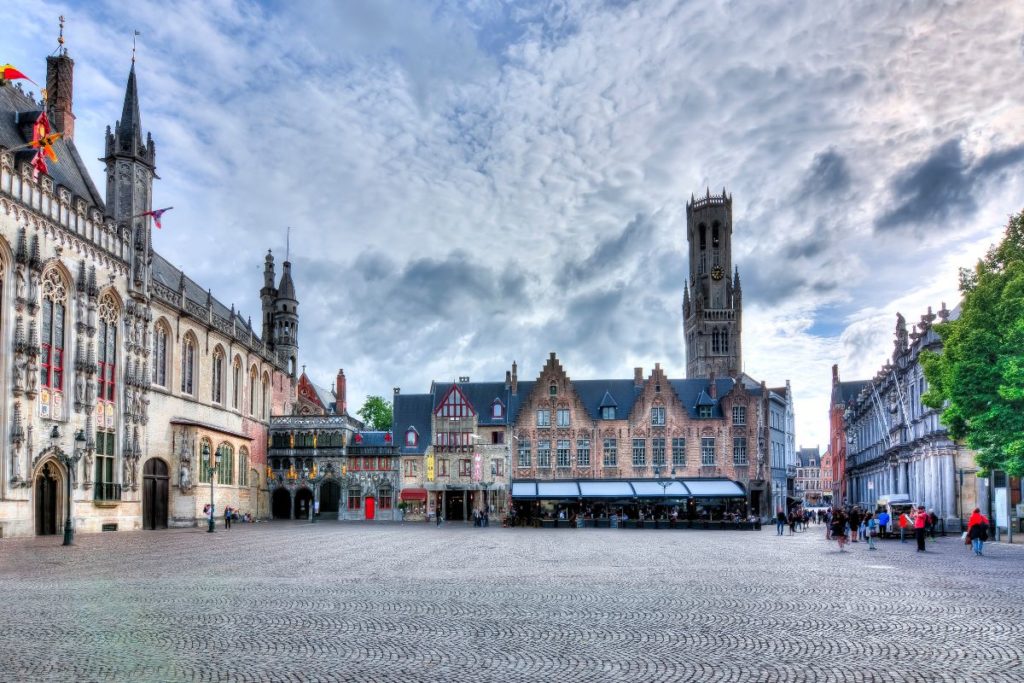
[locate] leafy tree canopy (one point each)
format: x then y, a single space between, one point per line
978 379
376 413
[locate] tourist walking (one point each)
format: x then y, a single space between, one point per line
883 523
780 522
792 522
920 524
839 528
904 522
828 525
855 518
227 517
933 523
871 530
977 531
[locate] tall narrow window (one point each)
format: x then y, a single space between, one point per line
51 364
725 340
543 454
707 451
658 416
217 377
524 452
583 452
265 402
160 336
236 382
658 451
204 466
739 415
107 347
226 468
563 452
105 485
716 343
254 379
739 450
678 451
639 453
243 466
188 365
611 453
563 417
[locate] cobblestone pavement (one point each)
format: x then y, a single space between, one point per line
290 601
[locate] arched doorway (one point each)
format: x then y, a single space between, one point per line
46 490
330 498
281 504
370 507
154 494
303 503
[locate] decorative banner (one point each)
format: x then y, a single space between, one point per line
478 467
99 415
430 467
110 415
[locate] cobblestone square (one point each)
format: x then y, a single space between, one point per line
360 602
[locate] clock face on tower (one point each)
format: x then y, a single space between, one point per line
716 273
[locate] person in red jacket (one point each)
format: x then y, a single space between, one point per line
977 530
920 524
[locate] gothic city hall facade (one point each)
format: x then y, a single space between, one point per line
126 386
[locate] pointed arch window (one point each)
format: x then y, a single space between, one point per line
160 337
243 466
226 469
254 379
217 387
236 382
204 467
55 298
107 346
188 365
725 340
265 398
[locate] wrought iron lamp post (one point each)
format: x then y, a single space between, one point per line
212 469
70 463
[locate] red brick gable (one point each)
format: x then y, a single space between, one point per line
454 404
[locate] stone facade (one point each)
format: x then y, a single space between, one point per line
896 444
103 340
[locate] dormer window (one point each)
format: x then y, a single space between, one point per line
497 410
412 438
608 413
704 411
553 390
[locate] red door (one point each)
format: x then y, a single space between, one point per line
370 503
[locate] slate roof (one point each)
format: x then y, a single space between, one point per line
170 276
481 396
325 395
371 439
18 112
809 457
412 410
847 391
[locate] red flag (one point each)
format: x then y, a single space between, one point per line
359 438
43 137
156 214
9 73
387 438
38 165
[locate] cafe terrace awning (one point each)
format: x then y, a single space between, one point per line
413 494
631 488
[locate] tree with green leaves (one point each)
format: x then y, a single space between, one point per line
376 414
978 379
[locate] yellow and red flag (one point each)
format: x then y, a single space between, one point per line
9 73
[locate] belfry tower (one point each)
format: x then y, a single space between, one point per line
712 298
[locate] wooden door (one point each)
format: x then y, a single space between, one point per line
154 494
46 502
370 504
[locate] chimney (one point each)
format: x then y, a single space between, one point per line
835 374
638 377
515 379
341 403
59 72
712 386
508 379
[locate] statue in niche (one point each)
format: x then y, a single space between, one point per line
19 375
31 378
79 389
87 468
126 471
21 291
184 465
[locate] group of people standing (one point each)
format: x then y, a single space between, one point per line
845 526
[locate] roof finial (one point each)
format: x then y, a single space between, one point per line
287 243
135 35
61 50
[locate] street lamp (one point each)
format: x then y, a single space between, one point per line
212 469
70 462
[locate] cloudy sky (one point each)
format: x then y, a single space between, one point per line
472 183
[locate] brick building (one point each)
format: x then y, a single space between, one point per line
842 394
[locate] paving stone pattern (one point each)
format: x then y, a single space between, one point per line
288 601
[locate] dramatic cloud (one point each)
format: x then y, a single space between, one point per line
470 183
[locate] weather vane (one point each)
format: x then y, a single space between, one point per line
134 36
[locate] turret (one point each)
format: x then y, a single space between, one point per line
131 168
286 319
267 295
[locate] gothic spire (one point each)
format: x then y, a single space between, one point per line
131 121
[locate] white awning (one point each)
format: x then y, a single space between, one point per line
606 489
557 489
524 489
714 488
653 489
